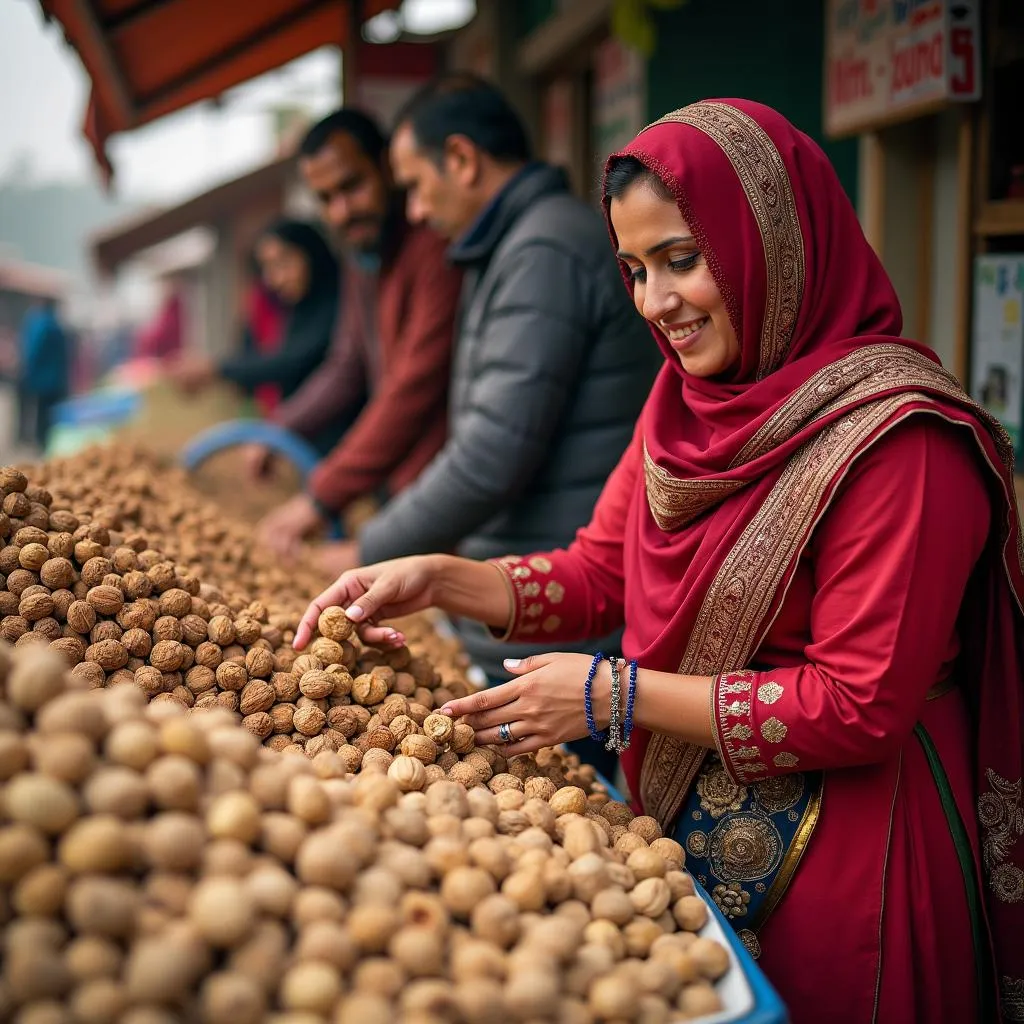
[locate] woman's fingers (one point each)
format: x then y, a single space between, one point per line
488 720
482 701
381 636
491 735
338 593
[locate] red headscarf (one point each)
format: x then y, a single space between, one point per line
822 374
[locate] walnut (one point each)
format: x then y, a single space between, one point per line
259 724
307 663
17 505
136 585
208 654
408 773
95 568
439 728
231 676
70 648
167 655
163 576
651 896
316 684
167 627
175 602
109 654
256 696
569 800
259 663
247 630
193 630
221 630
401 727
382 738
465 774
20 580
421 747
33 557
34 607
200 679
330 652
57 573
137 642
282 716
334 624
670 851
309 720
368 690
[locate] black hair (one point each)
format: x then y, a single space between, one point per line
323 264
360 126
462 103
626 171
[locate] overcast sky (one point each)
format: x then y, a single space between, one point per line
45 91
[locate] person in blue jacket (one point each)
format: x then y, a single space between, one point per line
45 370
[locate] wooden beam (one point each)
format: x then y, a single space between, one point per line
872 192
965 244
925 175
550 42
98 43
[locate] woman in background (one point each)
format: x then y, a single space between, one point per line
298 267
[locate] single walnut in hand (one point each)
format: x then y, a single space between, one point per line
335 624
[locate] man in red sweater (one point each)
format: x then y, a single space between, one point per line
393 342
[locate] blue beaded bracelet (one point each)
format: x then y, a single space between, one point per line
588 699
627 725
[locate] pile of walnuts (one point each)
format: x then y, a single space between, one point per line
159 865
199 824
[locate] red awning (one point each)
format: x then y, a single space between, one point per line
147 58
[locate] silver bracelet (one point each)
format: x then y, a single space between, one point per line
614 721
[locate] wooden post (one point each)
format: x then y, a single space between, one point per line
965 243
872 192
350 53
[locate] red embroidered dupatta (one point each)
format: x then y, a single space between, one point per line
823 374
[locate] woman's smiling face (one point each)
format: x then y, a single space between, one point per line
672 284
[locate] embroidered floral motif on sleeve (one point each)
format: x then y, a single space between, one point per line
785 760
773 730
1002 824
533 600
769 693
742 761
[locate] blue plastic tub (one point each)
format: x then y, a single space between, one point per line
98 409
281 442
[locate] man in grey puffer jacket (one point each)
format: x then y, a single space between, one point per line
552 363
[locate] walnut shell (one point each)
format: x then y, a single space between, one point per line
381 738
259 663
167 627
423 748
256 696
439 728
408 773
368 690
167 655
175 602
109 654
57 573
316 684
309 720
335 625
33 557
259 724
34 607
670 851
231 676
221 630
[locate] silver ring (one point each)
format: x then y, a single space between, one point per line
505 733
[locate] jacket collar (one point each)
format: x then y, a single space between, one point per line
533 182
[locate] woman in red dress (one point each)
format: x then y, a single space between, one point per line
815 550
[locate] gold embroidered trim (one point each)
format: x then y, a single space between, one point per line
674 502
1002 824
765 181
524 591
513 604
734 614
769 693
785 760
794 854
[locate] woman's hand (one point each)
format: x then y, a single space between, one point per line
385 590
543 706
459 586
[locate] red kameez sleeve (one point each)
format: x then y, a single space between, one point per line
891 561
577 593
